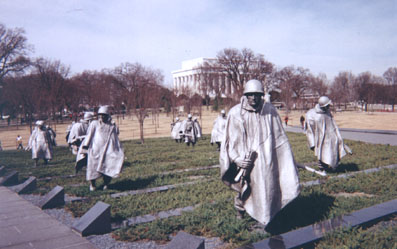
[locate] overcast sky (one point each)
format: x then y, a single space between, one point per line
323 36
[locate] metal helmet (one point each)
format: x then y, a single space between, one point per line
223 112
88 116
323 101
189 115
39 122
195 118
104 110
253 86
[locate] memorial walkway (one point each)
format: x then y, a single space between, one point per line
367 136
23 225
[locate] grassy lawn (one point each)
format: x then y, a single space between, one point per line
215 215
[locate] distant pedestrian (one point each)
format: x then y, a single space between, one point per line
323 135
40 143
104 150
286 120
302 120
19 142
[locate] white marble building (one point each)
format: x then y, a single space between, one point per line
190 77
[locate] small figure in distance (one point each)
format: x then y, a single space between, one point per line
40 143
198 127
176 130
286 120
19 142
302 120
218 129
190 131
324 137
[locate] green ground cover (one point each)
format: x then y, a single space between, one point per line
380 236
215 215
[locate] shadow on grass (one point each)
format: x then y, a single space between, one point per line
128 184
346 167
303 211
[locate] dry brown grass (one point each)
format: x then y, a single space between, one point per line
129 128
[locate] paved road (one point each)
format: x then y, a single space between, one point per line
23 225
368 136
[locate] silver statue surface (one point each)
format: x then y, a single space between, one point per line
176 130
218 129
191 130
40 142
323 135
78 131
105 152
256 159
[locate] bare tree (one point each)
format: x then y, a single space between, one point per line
13 52
52 82
139 84
391 77
207 73
23 94
341 90
241 66
293 83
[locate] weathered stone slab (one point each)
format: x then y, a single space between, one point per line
308 235
2 170
55 198
160 215
184 240
26 186
95 221
9 179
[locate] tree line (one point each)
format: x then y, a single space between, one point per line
34 88
292 85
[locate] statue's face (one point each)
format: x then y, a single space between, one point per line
325 108
254 99
104 118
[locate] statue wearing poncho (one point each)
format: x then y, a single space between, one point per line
323 135
256 160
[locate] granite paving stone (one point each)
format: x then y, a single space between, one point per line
23 225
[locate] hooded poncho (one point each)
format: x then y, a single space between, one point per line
273 181
105 153
323 134
218 130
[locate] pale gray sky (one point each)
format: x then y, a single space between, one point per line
323 36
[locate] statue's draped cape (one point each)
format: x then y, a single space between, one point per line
40 144
218 129
176 130
323 134
274 180
105 153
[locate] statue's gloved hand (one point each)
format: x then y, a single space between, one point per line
244 163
